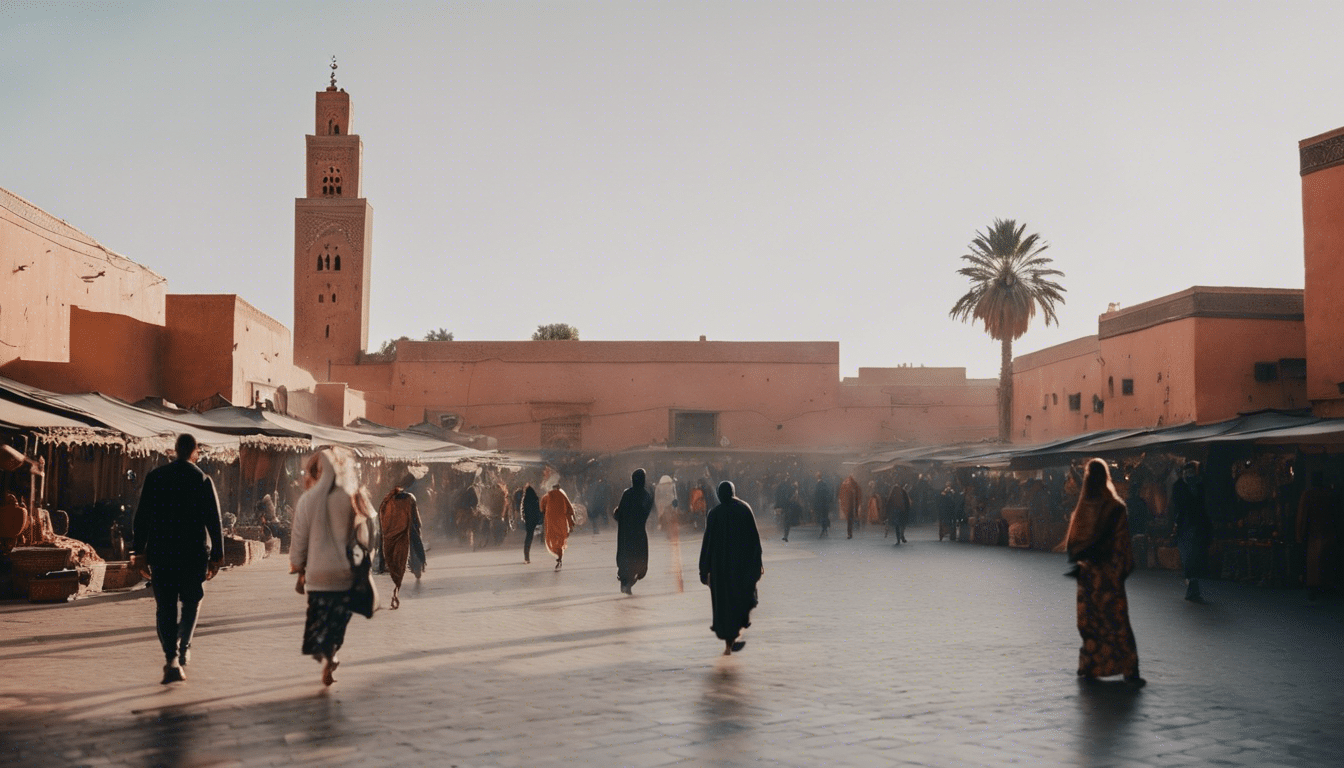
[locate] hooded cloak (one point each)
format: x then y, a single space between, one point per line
730 563
632 538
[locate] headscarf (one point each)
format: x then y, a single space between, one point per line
334 468
726 491
1094 519
638 478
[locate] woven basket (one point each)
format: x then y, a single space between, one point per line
34 560
53 589
120 575
1253 487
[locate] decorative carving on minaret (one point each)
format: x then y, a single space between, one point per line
1322 155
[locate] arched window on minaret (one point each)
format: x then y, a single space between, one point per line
333 298
328 331
319 262
321 298
336 130
328 261
338 262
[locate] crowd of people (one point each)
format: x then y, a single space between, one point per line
335 532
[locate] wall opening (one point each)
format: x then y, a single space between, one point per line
1076 401
321 298
338 262
328 331
1126 386
696 429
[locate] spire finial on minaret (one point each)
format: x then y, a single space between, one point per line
332 87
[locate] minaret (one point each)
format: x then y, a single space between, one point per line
333 235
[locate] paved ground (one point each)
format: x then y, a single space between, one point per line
934 654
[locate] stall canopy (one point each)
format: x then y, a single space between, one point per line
1260 428
95 418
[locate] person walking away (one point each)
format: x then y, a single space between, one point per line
599 503
1316 527
664 497
1098 540
784 493
898 513
398 516
730 565
333 513
558 514
947 513
821 504
531 505
632 536
849 504
180 539
872 508
1193 527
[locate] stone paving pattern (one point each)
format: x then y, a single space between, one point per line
861 654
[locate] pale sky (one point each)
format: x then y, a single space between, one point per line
662 170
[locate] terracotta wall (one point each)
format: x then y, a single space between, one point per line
1225 357
1323 252
198 349
50 267
1042 384
1161 362
109 353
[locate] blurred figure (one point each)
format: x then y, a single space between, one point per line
849 496
632 536
898 513
1098 540
531 505
333 514
665 498
179 538
947 513
1316 527
599 503
1193 527
398 517
559 516
821 504
730 565
872 508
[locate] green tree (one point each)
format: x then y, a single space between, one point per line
439 334
556 332
1009 281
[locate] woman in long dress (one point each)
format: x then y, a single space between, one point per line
333 511
1098 540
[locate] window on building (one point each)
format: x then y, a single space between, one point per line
1126 386
1265 372
328 332
319 262
1054 398
1098 405
333 298
565 434
338 263
321 298
1110 386
695 428
1046 402
336 130
1076 401
331 182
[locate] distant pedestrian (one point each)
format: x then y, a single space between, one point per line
898 512
333 514
1098 540
599 503
399 517
821 504
559 516
665 498
180 539
1317 528
730 565
531 505
632 536
1194 529
948 505
849 496
786 502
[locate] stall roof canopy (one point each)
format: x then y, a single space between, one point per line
1260 428
95 418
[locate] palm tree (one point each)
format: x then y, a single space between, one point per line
1009 279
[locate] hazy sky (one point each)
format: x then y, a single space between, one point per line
644 170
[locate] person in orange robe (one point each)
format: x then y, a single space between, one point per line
873 509
849 502
559 516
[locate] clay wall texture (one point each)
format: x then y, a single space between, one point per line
50 267
1190 356
1322 160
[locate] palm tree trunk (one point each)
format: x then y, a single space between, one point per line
1006 391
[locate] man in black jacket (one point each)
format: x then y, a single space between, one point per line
179 537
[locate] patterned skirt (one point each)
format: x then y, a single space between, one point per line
328 616
1103 622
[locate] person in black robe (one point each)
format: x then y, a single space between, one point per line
632 536
730 565
1193 527
531 519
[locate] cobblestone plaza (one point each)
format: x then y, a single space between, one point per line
861 653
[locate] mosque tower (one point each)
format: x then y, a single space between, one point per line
333 235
